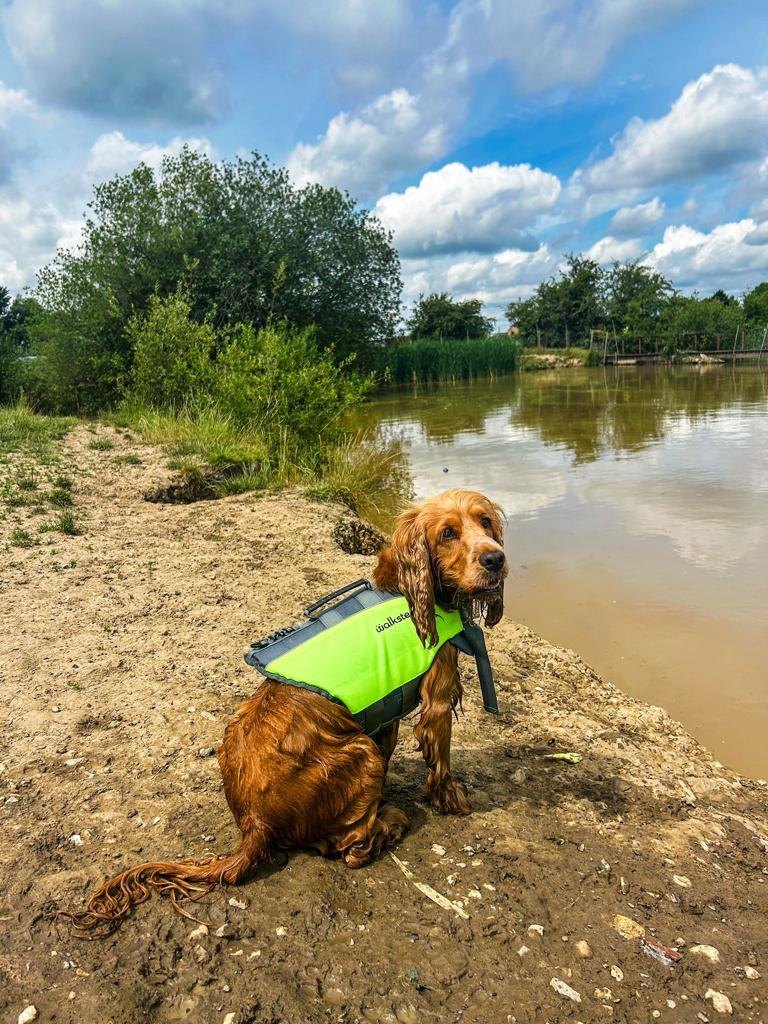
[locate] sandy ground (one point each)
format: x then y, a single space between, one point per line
120 663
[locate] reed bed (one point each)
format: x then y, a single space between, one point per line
438 359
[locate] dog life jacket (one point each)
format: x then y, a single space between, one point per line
364 652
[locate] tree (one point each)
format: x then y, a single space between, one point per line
635 298
563 310
248 246
439 315
15 318
756 305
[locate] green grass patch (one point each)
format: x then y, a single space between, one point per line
24 431
60 497
64 522
101 444
21 538
128 460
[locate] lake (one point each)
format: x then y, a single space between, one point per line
637 535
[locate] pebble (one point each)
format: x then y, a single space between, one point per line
28 1015
229 1019
628 928
565 990
751 973
536 929
73 762
200 953
239 904
439 850
720 1001
198 933
206 752
523 950
281 932
682 881
76 840
604 993
584 949
475 894
671 1004
616 973
712 954
225 931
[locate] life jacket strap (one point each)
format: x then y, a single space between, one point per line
471 640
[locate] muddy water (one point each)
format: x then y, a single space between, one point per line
637 501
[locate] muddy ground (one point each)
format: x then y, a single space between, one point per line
120 663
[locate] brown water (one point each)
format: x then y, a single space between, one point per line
637 504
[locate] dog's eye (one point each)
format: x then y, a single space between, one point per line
485 522
448 534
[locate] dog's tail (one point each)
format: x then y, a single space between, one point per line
190 880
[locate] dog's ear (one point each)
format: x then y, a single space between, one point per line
406 563
494 609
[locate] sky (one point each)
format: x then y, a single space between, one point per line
490 137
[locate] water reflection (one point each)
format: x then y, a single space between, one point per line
635 496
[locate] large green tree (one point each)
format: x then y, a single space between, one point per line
756 305
636 297
564 309
249 247
439 315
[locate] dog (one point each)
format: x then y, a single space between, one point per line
298 771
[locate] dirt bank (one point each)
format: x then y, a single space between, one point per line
121 661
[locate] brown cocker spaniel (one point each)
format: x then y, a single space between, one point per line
298 770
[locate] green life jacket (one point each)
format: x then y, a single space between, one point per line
364 652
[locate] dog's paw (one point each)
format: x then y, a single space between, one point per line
449 796
397 823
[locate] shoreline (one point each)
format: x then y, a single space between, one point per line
122 663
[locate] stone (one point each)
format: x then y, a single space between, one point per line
76 840
616 973
437 849
206 751
229 1019
198 933
712 954
565 990
200 954
281 932
628 928
238 904
28 1015
523 951
751 973
682 881
536 929
604 993
584 949
720 1001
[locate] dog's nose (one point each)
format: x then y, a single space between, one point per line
493 561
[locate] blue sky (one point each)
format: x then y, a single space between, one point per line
490 137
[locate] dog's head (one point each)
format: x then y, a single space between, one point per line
448 551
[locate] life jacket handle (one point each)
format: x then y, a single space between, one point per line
312 608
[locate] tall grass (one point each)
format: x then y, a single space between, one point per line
436 359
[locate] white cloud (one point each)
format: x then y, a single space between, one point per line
494 279
363 152
112 153
480 209
29 234
719 120
608 249
14 103
732 255
546 44
636 220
